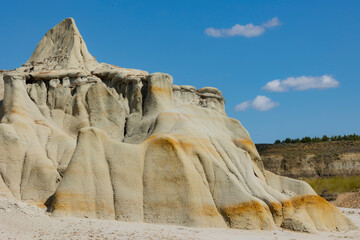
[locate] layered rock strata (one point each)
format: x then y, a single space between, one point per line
303 160
94 140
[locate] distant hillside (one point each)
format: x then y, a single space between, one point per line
304 160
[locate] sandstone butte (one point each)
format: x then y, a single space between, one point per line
89 139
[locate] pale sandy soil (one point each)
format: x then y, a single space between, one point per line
23 221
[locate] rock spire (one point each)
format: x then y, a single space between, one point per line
62 47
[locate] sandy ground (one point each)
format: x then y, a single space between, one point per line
20 220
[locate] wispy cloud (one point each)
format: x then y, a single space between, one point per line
301 83
260 103
248 30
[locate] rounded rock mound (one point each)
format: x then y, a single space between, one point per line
91 139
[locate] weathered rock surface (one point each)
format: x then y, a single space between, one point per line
95 140
323 159
61 48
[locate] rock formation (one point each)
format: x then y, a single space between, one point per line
90 139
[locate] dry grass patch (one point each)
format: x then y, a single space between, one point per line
334 184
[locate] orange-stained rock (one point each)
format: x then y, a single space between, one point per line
249 215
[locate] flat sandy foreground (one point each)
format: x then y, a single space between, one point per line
20 220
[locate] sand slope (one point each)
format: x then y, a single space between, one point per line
20 220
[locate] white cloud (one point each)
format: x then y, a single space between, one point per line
301 83
242 106
263 103
272 23
248 30
260 103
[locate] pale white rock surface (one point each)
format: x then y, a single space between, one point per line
93 140
62 47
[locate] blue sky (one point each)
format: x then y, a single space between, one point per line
308 38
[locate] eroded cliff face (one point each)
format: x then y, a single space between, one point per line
303 160
92 139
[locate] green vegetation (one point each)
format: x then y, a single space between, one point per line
334 184
352 137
